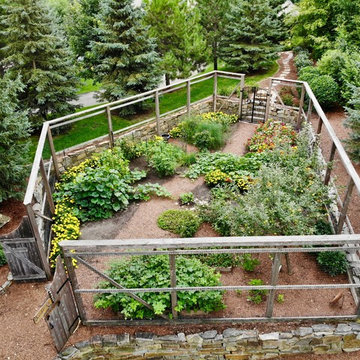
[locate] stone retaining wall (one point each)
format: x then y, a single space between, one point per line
210 345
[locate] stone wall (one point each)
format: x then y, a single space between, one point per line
75 155
210 345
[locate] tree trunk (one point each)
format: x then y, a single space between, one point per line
167 79
215 55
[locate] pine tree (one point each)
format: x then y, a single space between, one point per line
14 130
353 123
181 45
213 19
126 55
248 38
36 51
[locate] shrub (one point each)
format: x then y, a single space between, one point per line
302 60
309 73
351 77
287 99
215 177
280 298
326 90
129 148
209 136
153 271
249 263
186 198
181 222
3 260
256 296
332 63
332 262
145 191
220 260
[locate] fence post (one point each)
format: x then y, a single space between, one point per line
39 242
345 206
172 263
268 100
242 85
53 154
47 187
320 123
215 91
308 116
328 168
188 97
301 105
157 111
75 286
111 134
274 278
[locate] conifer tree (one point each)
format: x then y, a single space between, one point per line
252 26
353 123
126 55
35 50
175 24
14 130
213 20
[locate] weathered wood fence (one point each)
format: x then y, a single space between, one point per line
88 254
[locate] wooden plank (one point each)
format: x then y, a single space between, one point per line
188 98
172 263
47 187
308 116
53 153
39 242
215 91
345 207
17 241
274 279
121 106
115 283
204 242
319 128
157 112
110 127
330 165
41 313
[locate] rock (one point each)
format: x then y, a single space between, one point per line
4 220
304 331
228 333
209 334
181 337
322 329
271 336
194 340
343 329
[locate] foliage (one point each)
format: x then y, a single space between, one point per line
126 59
280 298
351 77
332 63
326 90
270 135
14 131
220 260
163 157
130 148
213 20
36 51
175 26
248 47
332 262
256 296
308 73
208 136
216 177
145 191
184 223
302 60
353 123
287 99
186 198
3 260
248 262
153 271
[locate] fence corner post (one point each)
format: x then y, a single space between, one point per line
111 133
274 278
53 153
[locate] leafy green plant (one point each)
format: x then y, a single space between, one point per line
287 99
308 73
186 198
129 148
256 296
220 260
280 298
215 177
248 262
181 222
3 260
326 90
302 59
145 191
332 262
153 271
209 136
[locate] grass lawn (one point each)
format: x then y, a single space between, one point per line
88 85
88 129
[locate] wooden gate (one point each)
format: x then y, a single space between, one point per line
254 105
62 317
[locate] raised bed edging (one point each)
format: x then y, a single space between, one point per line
231 344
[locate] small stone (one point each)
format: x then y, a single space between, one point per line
122 339
271 336
209 334
322 329
287 335
69 353
144 336
304 331
181 337
195 340
109 339
4 220
343 329
173 338
231 333
355 326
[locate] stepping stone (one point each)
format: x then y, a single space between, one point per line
4 220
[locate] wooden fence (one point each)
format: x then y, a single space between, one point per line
84 251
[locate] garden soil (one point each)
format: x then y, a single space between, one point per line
21 339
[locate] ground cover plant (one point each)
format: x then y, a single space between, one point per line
153 271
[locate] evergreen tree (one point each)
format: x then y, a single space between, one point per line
82 29
14 129
126 55
213 19
175 26
353 123
36 51
249 35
